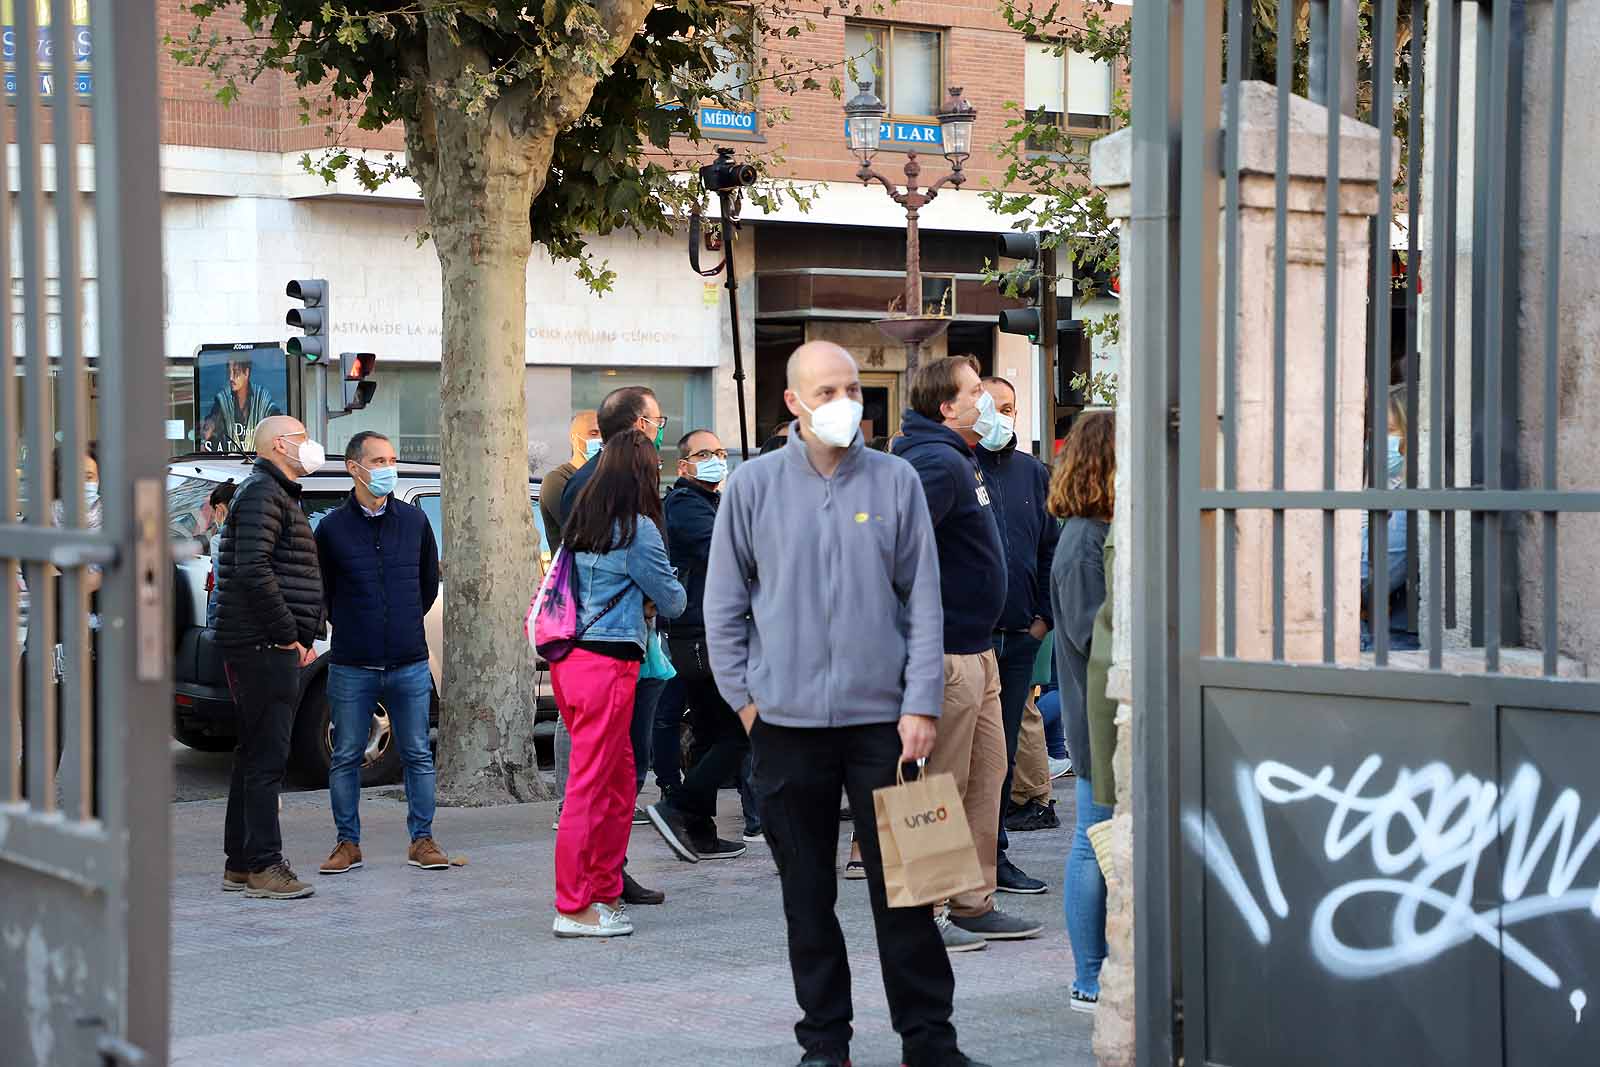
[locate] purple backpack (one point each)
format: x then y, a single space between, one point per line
552 623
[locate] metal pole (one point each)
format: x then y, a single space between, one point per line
1152 394
728 228
1049 344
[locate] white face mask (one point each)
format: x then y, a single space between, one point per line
836 422
310 456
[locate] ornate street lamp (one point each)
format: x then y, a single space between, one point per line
863 119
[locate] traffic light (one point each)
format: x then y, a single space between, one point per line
359 387
1036 320
311 320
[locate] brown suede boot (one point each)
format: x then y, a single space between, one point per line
277 883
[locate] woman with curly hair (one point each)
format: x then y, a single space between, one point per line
1082 491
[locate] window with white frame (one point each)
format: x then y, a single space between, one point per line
1073 89
904 67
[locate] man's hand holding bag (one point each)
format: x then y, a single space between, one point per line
928 852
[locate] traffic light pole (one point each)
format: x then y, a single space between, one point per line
1049 355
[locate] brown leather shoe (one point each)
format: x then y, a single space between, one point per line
427 855
234 881
277 883
346 857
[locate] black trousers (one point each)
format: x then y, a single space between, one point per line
719 736
796 776
266 688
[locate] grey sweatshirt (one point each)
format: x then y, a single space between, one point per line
822 596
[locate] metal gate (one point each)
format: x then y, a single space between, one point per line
84 850
1390 859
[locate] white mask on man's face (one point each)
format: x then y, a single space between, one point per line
836 422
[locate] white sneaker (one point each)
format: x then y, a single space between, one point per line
1059 768
555 824
612 924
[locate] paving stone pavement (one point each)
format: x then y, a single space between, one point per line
393 965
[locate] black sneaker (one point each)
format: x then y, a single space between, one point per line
716 848
1009 878
673 826
948 1059
824 1059
1033 816
636 894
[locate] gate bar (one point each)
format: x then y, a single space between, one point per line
39 746
135 761
1158 103
77 771
1416 102
1239 43
1552 321
11 738
1333 72
1280 316
1382 302
1199 204
1442 281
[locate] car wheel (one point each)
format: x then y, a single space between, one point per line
312 750
203 742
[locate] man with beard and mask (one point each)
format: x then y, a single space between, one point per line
1018 486
950 413
269 613
824 627
686 817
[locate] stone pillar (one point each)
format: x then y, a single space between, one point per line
1304 422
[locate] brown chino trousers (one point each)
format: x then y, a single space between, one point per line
1030 779
972 746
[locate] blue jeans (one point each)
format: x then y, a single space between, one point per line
354 693
1055 734
643 728
1014 653
1086 893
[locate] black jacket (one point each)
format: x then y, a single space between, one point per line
691 512
269 584
379 576
1019 485
972 560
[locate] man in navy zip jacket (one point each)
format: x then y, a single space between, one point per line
1019 485
686 817
950 413
380 575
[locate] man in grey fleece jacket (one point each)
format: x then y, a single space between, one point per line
824 626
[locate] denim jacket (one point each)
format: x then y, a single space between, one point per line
640 570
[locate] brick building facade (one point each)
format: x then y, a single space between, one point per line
242 217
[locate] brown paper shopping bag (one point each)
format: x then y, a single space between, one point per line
928 854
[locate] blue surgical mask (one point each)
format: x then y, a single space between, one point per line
999 434
591 447
91 494
380 480
711 471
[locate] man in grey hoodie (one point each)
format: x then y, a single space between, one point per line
824 626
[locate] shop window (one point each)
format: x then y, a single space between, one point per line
405 409
903 67
1073 90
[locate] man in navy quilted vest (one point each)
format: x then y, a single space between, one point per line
380 575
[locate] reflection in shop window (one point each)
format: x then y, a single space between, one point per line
684 396
405 409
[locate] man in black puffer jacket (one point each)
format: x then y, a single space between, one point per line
269 612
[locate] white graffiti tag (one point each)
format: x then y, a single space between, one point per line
1425 837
